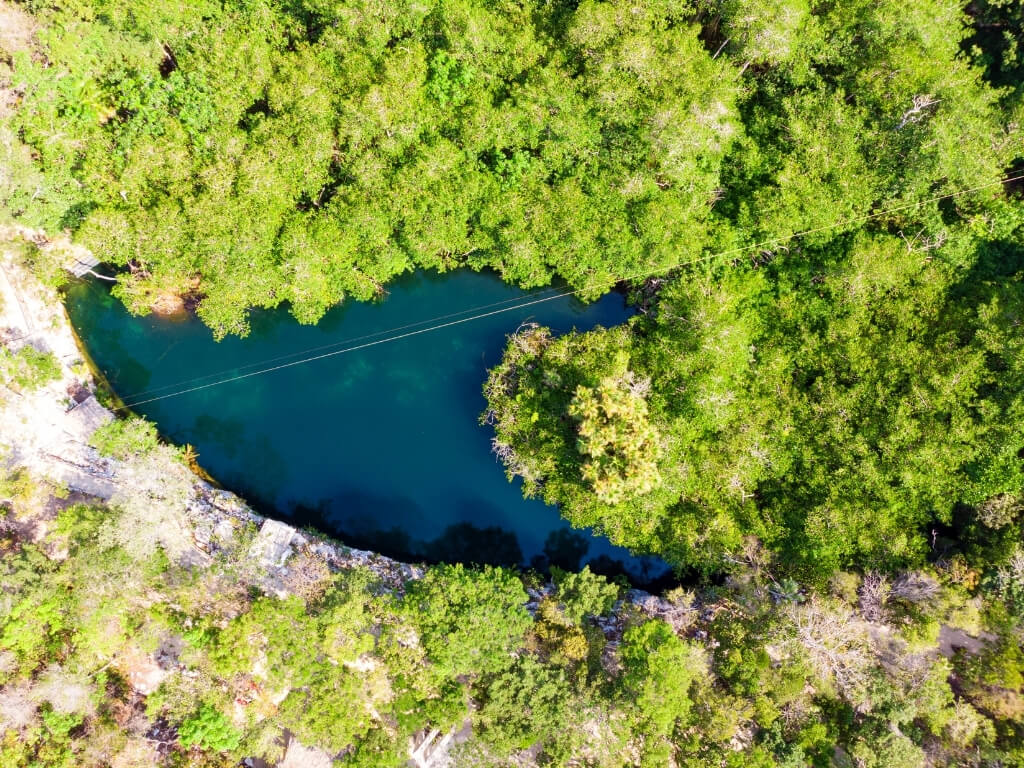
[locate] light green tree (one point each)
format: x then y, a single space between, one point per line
620 446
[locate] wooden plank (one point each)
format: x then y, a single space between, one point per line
80 266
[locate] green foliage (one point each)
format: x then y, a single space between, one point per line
80 523
209 729
619 443
331 711
17 486
809 403
360 671
275 631
838 408
35 627
763 31
583 594
469 621
29 368
561 641
123 438
255 153
890 749
1007 582
449 79
345 619
1000 665
659 670
525 705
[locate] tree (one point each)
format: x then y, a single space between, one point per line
525 705
333 710
469 621
583 594
659 669
762 30
208 728
836 644
620 445
150 500
124 438
271 636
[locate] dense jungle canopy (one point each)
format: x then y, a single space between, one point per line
816 416
253 153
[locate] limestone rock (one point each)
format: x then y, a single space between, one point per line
299 756
272 546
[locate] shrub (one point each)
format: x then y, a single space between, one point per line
525 705
28 368
583 594
123 438
208 729
469 621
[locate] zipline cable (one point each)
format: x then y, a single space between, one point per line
347 349
647 274
235 369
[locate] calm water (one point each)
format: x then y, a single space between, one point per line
380 447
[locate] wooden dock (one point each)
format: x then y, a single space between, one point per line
81 263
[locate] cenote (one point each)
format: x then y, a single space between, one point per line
380 447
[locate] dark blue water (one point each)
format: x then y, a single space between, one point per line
380 447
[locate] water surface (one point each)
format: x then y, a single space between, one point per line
379 447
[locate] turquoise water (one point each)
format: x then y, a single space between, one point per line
380 447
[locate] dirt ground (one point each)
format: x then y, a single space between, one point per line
17 29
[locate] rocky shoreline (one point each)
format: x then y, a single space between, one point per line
48 434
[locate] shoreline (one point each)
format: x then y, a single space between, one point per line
63 455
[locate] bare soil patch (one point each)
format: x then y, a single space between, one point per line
17 30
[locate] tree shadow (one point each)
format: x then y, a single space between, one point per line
248 464
564 548
649 573
994 260
355 518
358 520
468 543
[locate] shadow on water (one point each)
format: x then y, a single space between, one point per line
461 542
467 543
565 549
478 545
381 447
227 432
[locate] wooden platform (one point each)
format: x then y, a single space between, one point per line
81 264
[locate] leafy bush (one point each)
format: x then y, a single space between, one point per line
28 368
123 438
659 670
469 621
524 706
333 710
583 594
208 728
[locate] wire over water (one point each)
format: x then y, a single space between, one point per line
389 338
153 390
